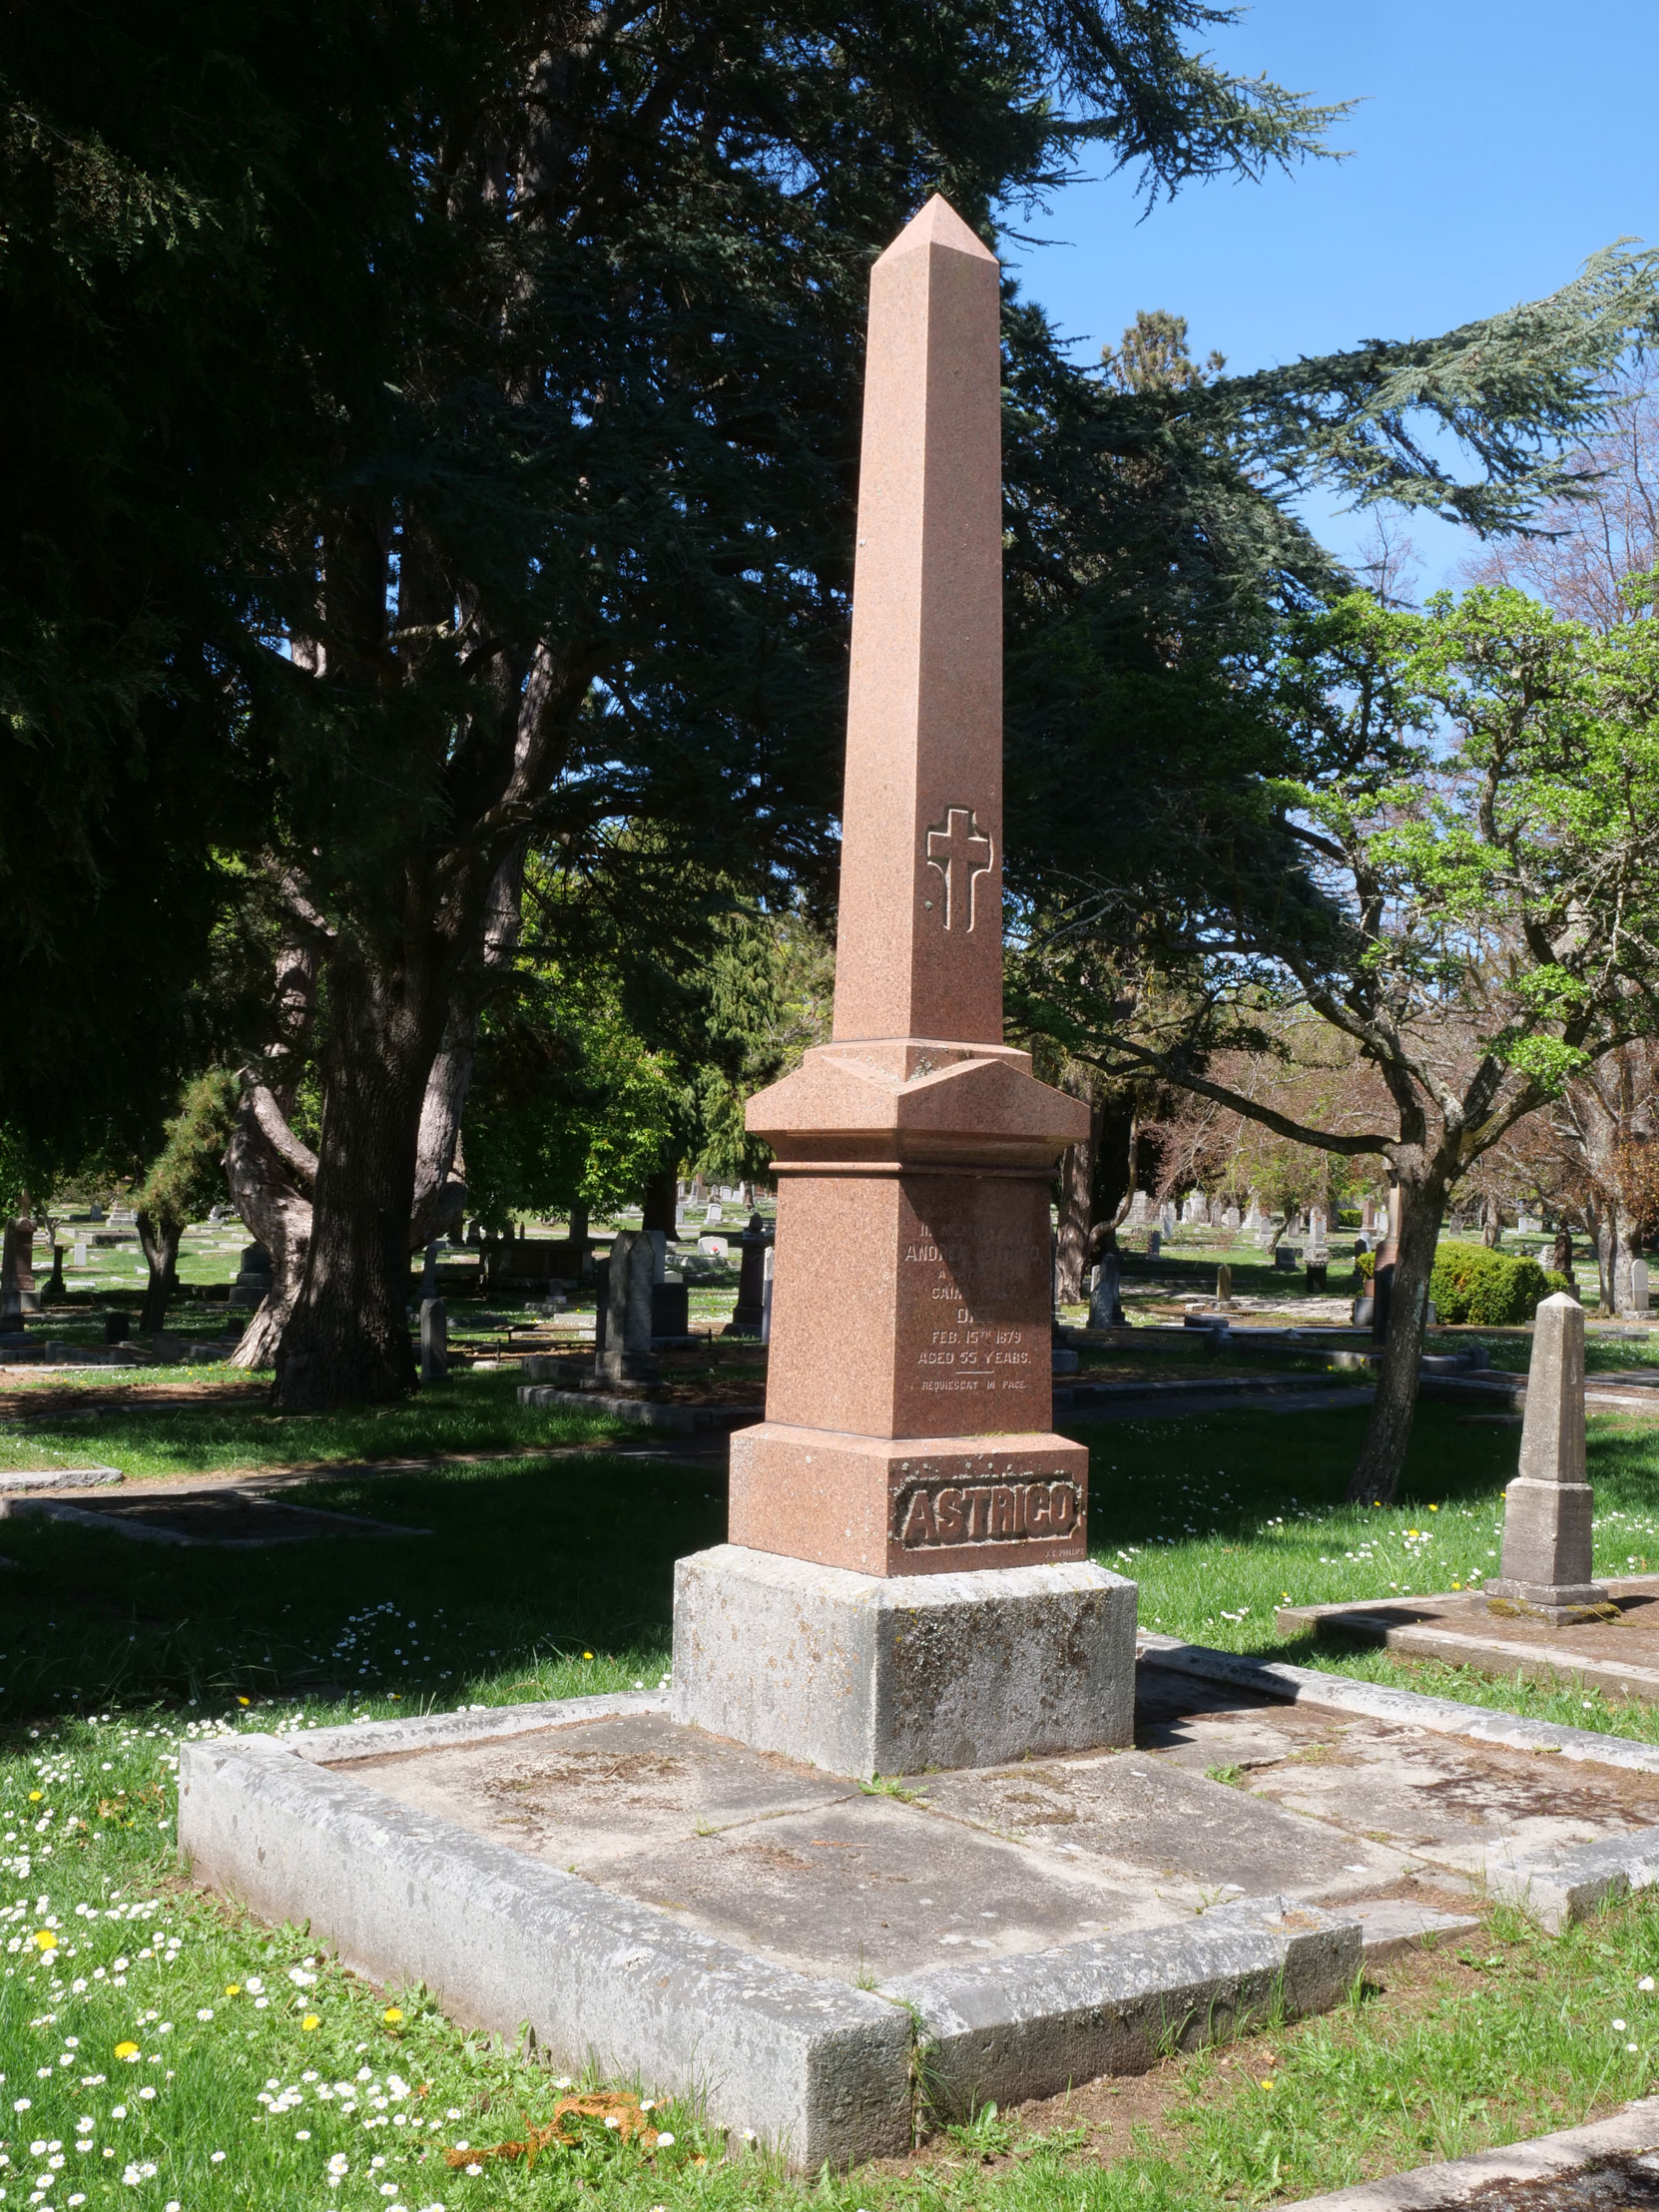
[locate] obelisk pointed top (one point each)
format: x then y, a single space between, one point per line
938 223
919 947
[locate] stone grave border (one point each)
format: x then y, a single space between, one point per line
1543 2158
1555 1886
821 2070
1367 1620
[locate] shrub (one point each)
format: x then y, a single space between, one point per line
1365 1265
1493 1289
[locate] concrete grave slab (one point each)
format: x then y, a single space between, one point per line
874 1887
228 1520
27 1482
1392 1924
1311 1689
1567 1885
671 1905
1447 1805
1619 1654
1133 1817
1026 2027
596 1790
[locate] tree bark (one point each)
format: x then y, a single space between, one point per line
659 1201
1421 1205
160 1240
271 1181
1076 1205
347 1336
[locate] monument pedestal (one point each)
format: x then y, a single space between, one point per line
1547 1562
868 1675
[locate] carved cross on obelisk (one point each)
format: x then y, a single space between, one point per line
961 858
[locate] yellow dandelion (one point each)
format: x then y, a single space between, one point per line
1434 1508
233 1988
242 1701
393 2015
310 2021
126 2050
35 1796
586 1655
45 1939
1267 2081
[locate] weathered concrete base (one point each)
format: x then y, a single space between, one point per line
1377 1701
825 1963
868 1674
1011 2028
307 1829
1632 2133
1558 1603
818 2068
1467 1630
1557 1888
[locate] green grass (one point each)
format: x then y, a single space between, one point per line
1221 1519
469 1413
553 1578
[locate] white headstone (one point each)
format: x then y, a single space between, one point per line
1638 1285
766 1296
715 1212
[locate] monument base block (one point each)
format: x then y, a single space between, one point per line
909 1505
866 1675
1557 1602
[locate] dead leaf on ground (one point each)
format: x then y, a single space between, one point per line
603 2104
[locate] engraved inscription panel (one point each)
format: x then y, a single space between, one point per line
929 1513
974 1326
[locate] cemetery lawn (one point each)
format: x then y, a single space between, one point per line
1223 1518
553 1578
231 1430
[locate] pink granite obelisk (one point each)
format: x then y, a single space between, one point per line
908 1402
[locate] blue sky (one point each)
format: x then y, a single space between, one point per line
1498 142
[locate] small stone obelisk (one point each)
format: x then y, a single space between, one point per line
906 1582
1546 1562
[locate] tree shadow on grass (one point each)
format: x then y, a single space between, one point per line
1227 1471
525 1568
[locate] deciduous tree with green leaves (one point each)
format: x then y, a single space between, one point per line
1440 836
184 1178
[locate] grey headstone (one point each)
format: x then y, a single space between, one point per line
434 1340
754 1246
1546 1563
630 1305
1106 1291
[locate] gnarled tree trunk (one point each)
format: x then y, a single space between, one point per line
160 1242
348 1338
1421 1207
1076 1200
271 1174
